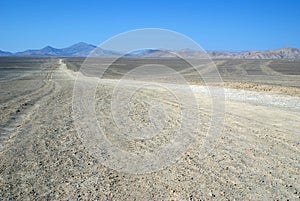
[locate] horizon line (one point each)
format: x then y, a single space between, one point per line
206 50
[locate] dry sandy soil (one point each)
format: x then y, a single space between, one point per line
256 157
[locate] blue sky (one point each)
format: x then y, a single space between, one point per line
215 25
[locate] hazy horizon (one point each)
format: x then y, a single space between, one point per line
207 50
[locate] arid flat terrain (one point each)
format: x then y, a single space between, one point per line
255 157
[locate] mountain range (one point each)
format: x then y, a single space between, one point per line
83 50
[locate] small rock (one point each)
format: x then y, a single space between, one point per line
212 195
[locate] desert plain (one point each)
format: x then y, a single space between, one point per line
255 156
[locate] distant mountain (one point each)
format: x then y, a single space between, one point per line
46 51
103 52
141 53
159 53
4 54
77 50
284 53
83 50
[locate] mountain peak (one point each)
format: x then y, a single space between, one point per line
78 49
49 48
81 45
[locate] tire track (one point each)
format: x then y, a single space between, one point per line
21 109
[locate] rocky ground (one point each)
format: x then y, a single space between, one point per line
256 157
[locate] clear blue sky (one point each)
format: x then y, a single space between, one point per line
215 25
